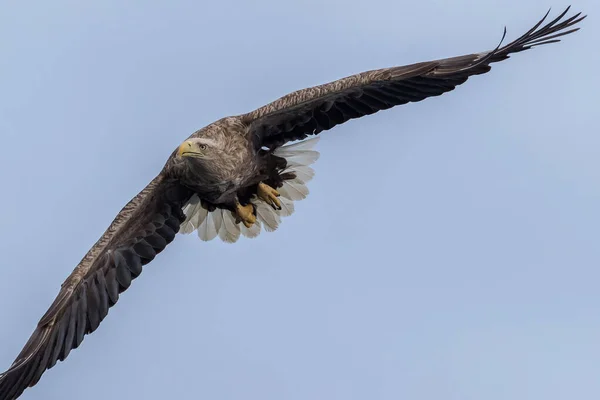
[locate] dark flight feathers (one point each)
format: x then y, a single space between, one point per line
142 230
313 110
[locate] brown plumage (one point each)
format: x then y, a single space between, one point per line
227 173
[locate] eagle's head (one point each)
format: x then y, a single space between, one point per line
199 160
198 149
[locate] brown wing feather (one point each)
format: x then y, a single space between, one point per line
140 231
313 110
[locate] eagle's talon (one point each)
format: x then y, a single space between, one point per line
269 195
245 214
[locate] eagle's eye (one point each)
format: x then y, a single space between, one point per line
203 147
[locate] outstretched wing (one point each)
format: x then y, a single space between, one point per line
140 231
312 110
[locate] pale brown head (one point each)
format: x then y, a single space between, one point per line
200 161
199 148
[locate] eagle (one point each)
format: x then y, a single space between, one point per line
233 178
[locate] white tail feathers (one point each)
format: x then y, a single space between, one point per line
192 210
287 207
294 189
222 223
230 231
304 173
251 232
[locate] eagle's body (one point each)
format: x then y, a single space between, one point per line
232 178
233 165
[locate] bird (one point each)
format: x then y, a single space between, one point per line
233 178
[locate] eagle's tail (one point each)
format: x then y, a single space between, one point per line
221 223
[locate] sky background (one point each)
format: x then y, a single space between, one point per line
448 249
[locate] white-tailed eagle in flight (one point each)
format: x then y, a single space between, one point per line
233 178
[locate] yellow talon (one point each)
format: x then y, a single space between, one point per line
246 214
269 195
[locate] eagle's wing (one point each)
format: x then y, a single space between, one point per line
141 230
312 110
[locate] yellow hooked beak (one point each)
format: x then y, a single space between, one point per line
190 149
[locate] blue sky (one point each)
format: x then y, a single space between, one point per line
448 249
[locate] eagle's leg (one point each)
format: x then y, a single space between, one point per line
269 195
245 214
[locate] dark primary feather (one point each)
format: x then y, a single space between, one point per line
143 228
313 110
